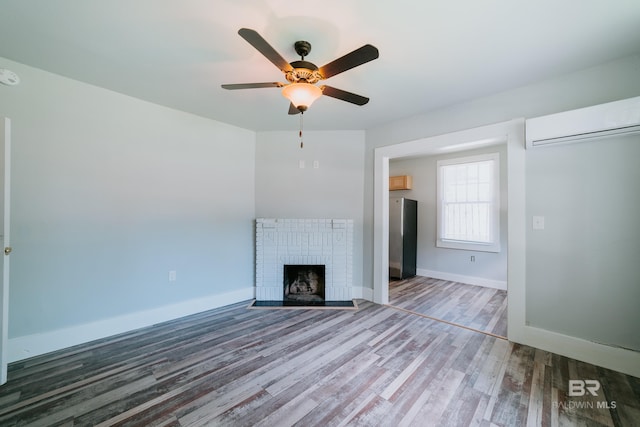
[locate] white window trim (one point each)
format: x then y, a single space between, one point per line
495 220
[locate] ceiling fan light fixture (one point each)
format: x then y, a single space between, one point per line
301 95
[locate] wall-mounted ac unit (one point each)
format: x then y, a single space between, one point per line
604 120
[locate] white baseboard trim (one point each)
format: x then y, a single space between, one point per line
34 345
618 359
469 280
615 358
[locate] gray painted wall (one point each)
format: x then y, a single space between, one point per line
604 83
487 265
334 190
582 269
110 193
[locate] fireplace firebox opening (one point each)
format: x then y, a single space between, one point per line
304 284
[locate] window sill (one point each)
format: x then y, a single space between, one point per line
468 246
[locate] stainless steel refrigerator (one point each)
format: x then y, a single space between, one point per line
403 237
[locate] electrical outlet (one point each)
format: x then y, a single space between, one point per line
172 276
538 223
473 258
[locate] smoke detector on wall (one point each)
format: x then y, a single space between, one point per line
8 77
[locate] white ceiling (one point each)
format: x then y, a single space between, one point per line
433 53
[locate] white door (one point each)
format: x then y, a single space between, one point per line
5 173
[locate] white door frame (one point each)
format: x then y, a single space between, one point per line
511 132
5 154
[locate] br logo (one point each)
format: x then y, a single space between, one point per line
582 387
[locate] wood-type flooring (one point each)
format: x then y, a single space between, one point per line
376 366
475 307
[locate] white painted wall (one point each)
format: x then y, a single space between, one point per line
110 193
334 190
488 268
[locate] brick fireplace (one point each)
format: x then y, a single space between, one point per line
312 242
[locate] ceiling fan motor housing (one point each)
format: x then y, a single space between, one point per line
303 71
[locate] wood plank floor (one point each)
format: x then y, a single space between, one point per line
476 307
377 366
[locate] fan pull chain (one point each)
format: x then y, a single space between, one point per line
300 134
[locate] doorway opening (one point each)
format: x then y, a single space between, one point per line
458 248
511 133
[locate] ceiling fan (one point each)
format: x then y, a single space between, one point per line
302 75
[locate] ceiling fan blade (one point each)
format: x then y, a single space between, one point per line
293 110
343 95
251 85
358 57
265 48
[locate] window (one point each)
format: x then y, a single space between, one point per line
468 198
